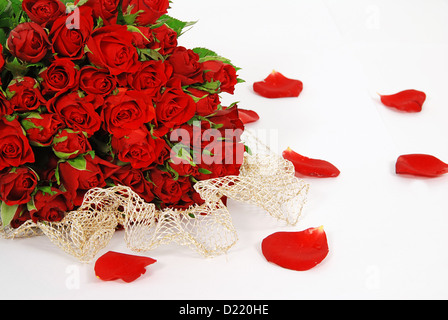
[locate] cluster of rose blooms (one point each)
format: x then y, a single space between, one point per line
91 97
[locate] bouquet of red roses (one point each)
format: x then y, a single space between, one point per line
98 93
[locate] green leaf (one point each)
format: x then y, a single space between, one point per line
204 171
204 52
17 69
78 163
16 6
129 19
211 87
176 24
7 213
47 190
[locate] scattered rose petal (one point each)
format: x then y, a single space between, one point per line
277 85
247 116
407 100
301 250
420 165
114 265
310 167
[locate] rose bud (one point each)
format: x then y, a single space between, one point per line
110 47
15 149
135 179
107 10
148 11
225 73
17 185
25 94
78 113
206 103
60 76
21 216
2 60
174 107
50 204
70 42
5 105
41 128
165 40
43 12
186 66
151 76
82 174
126 111
21 38
138 148
96 81
68 144
169 190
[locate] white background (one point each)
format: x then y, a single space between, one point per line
387 234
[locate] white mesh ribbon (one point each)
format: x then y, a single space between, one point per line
265 180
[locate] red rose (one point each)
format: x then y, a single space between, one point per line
26 95
96 81
111 47
133 178
69 144
228 119
82 174
148 10
165 40
168 190
20 40
138 148
126 111
223 72
20 217
5 105
43 12
107 10
186 66
78 113
50 205
15 149
2 60
151 76
68 41
59 77
46 165
206 103
41 128
17 185
143 38
182 167
174 107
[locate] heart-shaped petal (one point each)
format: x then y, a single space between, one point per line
277 85
310 167
424 165
115 265
300 251
247 116
407 100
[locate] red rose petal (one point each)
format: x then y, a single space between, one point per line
277 85
420 165
114 265
299 251
407 100
310 167
247 116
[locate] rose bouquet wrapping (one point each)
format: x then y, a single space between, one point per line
98 94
